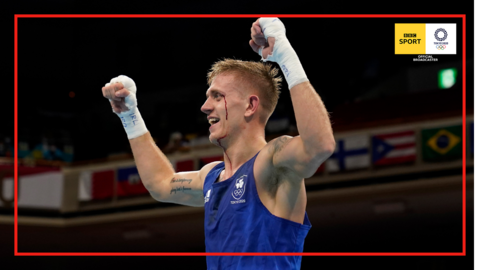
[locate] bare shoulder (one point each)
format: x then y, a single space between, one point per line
272 148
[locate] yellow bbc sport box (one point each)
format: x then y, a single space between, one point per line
410 38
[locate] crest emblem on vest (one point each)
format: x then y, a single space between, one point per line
239 187
207 196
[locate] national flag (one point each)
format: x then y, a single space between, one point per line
96 185
441 144
350 153
393 148
473 138
129 182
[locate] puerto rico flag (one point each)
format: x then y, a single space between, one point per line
129 182
394 148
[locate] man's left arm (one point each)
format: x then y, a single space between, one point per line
305 153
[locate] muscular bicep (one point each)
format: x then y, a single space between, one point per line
289 152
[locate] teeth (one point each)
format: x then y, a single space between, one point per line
213 120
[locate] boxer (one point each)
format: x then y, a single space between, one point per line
255 200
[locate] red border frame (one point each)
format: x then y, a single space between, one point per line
16 16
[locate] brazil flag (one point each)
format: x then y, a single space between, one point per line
442 144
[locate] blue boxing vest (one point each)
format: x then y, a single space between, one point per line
237 221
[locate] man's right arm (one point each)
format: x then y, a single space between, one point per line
160 179
156 172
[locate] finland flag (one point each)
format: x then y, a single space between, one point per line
350 153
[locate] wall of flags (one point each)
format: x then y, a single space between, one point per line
410 145
414 144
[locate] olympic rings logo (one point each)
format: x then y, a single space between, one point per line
238 192
444 34
441 47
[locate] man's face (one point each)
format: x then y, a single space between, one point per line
225 106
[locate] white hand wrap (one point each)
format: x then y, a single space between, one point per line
283 53
131 119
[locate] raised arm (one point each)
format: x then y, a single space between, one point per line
156 172
305 153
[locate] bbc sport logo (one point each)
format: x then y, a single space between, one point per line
429 38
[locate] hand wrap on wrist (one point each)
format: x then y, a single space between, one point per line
132 119
283 53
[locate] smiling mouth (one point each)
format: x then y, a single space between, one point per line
213 121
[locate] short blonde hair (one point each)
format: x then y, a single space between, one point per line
262 77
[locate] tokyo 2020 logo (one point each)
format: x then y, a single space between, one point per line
444 34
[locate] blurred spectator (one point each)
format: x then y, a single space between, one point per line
68 151
47 150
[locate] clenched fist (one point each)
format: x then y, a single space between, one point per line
121 91
269 40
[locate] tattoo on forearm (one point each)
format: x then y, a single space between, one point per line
181 181
181 189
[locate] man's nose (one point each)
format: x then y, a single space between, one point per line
207 107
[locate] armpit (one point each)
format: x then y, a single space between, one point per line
277 178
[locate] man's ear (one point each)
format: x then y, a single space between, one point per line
252 106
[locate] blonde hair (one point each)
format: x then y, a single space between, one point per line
262 77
